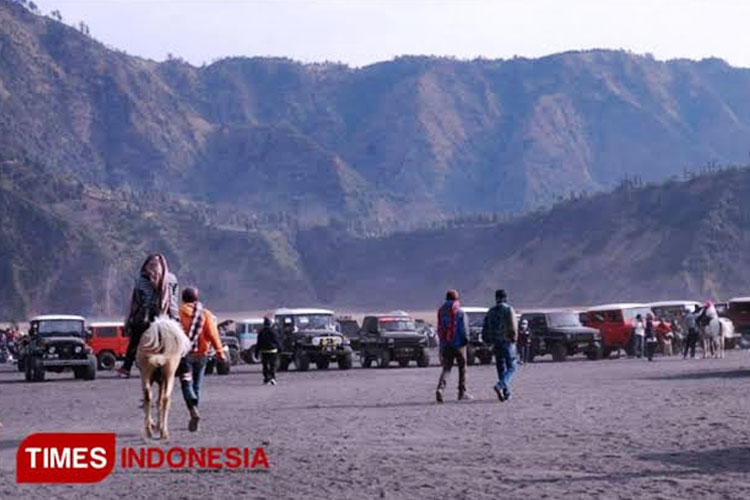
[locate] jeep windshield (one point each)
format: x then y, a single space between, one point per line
563 319
60 328
476 320
397 325
315 322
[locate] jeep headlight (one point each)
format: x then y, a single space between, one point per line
51 349
77 349
391 341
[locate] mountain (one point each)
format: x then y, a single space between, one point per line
268 182
392 145
677 240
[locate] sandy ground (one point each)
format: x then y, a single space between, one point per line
580 429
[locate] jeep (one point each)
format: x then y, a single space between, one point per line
57 343
476 349
387 337
247 333
561 334
109 343
310 336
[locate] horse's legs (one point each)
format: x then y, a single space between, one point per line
146 386
165 396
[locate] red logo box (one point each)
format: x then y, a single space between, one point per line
62 457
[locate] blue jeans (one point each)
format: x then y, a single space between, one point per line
505 361
192 370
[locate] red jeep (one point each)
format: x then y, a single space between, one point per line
109 343
615 322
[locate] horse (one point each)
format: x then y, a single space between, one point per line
160 350
713 334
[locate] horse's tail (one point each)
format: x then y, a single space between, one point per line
163 340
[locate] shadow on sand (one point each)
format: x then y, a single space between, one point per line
702 375
703 462
402 404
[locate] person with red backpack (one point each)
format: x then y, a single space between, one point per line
453 339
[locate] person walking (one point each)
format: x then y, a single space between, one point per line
200 326
524 342
155 293
650 337
692 333
639 331
268 346
500 330
453 339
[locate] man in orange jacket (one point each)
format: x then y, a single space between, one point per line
200 326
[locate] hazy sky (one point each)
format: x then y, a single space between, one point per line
360 32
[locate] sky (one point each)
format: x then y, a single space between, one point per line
361 32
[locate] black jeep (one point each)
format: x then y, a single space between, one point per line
386 338
310 335
55 344
561 334
476 349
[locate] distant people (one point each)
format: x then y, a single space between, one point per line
524 341
650 337
200 326
453 339
639 331
677 334
665 335
155 293
268 346
500 330
691 326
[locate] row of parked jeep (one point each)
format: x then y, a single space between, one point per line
316 336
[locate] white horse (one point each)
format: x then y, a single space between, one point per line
714 335
160 350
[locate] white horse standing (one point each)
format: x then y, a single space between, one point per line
714 335
160 350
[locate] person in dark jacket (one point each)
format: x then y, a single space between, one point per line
650 337
453 340
155 293
500 330
268 346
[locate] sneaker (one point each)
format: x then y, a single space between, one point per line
506 394
465 397
500 393
273 381
439 396
122 372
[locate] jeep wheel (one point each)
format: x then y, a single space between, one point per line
322 364
365 360
234 356
21 364
37 370
222 367
485 357
423 360
301 361
284 363
210 364
559 352
107 360
595 352
403 363
470 355
345 361
384 359
28 374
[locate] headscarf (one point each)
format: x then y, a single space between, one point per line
155 269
